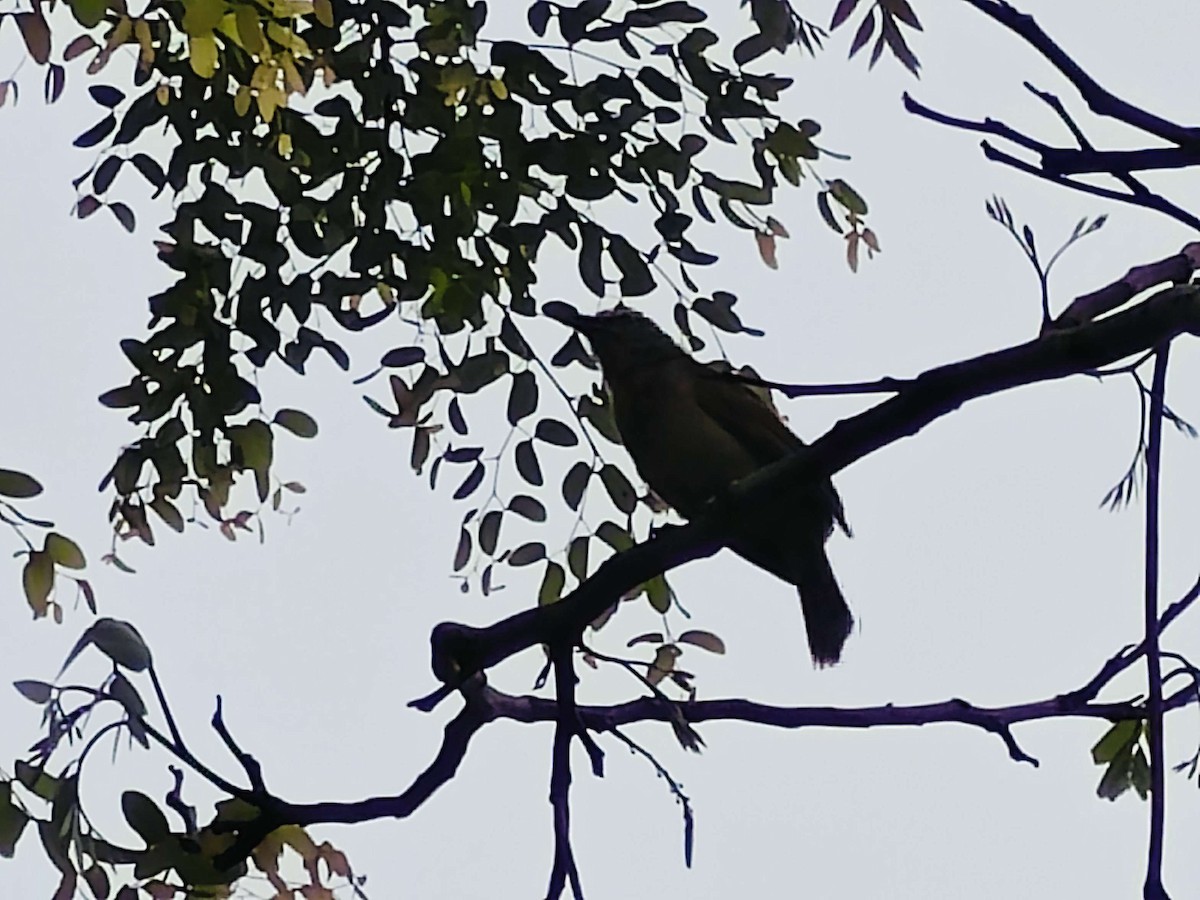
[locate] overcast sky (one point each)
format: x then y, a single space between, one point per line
982 567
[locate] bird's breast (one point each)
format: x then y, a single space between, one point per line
683 454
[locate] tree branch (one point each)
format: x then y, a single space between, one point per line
459 651
1153 889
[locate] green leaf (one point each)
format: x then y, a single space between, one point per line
36 780
18 484
1117 739
552 584
848 197
64 551
38 580
658 593
255 443
298 423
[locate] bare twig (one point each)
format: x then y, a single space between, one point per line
1153 889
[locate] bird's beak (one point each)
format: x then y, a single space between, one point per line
568 315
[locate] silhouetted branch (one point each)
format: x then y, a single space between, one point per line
1057 164
1098 100
1154 707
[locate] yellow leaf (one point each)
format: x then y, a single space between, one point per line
200 17
162 94
323 10
288 39
499 89
202 54
141 31
269 100
291 75
241 100
249 28
121 32
285 145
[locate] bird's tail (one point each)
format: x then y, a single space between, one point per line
827 618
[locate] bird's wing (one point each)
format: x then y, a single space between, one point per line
755 424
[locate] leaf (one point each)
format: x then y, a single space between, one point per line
36 33
402 356
117 640
522 397
553 582
38 580
659 595
13 820
847 197
527 553
124 215
619 489
167 511
86 206
1117 738
577 556
489 531
766 248
64 551
554 432
298 423
704 639
144 817
470 483
529 507
650 637
202 56
575 484
89 595
79 46
462 553
56 80
18 485
34 691
527 463
96 133
106 95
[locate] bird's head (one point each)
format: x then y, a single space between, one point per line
622 338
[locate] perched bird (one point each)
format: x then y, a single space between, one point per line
692 431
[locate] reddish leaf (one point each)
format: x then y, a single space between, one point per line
36 33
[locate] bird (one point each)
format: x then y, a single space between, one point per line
692 431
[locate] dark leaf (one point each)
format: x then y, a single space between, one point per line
554 432
18 485
529 507
56 79
489 531
105 173
575 484
298 423
402 356
462 555
470 483
527 463
527 553
124 215
619 489
522 397
144 817
106 94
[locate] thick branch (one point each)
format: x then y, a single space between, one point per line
461 650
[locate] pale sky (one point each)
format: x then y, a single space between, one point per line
982 567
